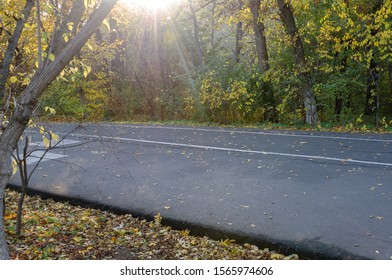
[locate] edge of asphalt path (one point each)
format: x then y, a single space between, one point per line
310 249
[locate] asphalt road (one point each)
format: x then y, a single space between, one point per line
323 195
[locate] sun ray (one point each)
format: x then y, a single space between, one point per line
153 5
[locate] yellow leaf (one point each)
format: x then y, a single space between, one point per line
14 167
106 23
89 46
158 218
51 110
55 137
77 238
13 79
86 71
51 57
276 256
46 142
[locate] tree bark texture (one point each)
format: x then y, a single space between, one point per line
288 19
74 17
261 42
29 100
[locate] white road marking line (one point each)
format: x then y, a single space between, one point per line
64 142
256 133
231 150
36 155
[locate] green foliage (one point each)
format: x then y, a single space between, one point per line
80 99
235 100
144 66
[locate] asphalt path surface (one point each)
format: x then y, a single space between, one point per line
322 195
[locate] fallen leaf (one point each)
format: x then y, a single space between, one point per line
77 239
55 230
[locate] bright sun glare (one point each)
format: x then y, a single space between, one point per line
153 5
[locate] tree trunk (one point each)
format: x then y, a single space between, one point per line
339 97
12 45
310 105
268 100
196 35
238 42
288 19
74 17
6 151
371 102
29 100
212 36
261 42
4 255
163 67
239 34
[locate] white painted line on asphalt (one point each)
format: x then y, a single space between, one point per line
310 157
36 155
64 142
256 133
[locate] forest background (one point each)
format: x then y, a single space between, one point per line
320 62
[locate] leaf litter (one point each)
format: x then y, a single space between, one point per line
58 230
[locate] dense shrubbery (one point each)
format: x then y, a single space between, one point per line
148 69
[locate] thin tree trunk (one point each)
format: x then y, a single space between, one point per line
239 34
196 35
261 42
268 101
213 25
12 45
19 213
163 67
22 166
339 98
238 41
74 17
29 100
39 42
6 151
4 254
288 19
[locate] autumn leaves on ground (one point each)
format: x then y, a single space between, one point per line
54 230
